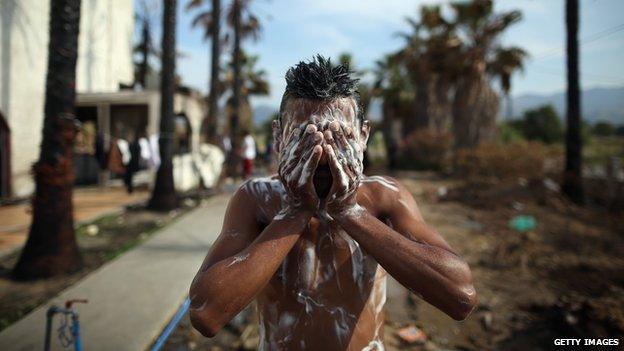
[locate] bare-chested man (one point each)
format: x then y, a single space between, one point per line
312 245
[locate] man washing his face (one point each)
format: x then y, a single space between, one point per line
312 245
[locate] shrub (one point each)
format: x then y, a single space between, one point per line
542 124
604 128
426 150
529 160
510 132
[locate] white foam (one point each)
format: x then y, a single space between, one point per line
238 258
381 180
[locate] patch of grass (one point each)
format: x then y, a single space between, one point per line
101 222
598 149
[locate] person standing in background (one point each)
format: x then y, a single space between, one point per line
249 153
133 165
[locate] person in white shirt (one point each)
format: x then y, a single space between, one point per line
249 153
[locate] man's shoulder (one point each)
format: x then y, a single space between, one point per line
380 192
261 188
381 183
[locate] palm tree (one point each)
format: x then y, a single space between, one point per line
572 177
145 48
413 56
51 248
163 195
397 95
475 105
253 83
244 25
506 61
430 57
210 20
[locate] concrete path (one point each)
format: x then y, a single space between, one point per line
133 297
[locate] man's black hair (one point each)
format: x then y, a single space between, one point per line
320 80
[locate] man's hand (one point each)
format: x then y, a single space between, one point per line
298 163
345 162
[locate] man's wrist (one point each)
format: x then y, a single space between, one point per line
294 212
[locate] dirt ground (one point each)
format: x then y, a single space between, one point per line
99 242
564 279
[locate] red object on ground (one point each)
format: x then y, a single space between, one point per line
412 335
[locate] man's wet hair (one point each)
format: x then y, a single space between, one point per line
319 80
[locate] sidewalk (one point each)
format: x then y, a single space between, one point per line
131 298
89 204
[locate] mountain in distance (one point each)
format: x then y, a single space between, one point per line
262 113
598 104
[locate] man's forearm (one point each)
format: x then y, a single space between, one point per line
226 287
438 275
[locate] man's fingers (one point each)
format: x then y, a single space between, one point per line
311 129
299 146
335 167
307 147
310 166
329 138
344 143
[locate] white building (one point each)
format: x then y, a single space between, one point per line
105 61
104 64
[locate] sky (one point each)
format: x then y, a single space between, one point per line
295 30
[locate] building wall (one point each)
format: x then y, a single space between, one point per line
105 61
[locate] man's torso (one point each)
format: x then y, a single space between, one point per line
328 294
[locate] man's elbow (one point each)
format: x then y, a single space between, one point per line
207 326
466 302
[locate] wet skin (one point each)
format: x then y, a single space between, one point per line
316 266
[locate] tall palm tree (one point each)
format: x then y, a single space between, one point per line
144 48
244 25
430 56
163 195
51 248
572 177
397 95
475 105
253 83
210 20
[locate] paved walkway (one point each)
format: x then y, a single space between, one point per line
133 297
89 204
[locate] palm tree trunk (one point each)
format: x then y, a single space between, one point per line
145 43
388 135
572 177
421 112
509 106
474 112
163 195
236 94
51 248
214 70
